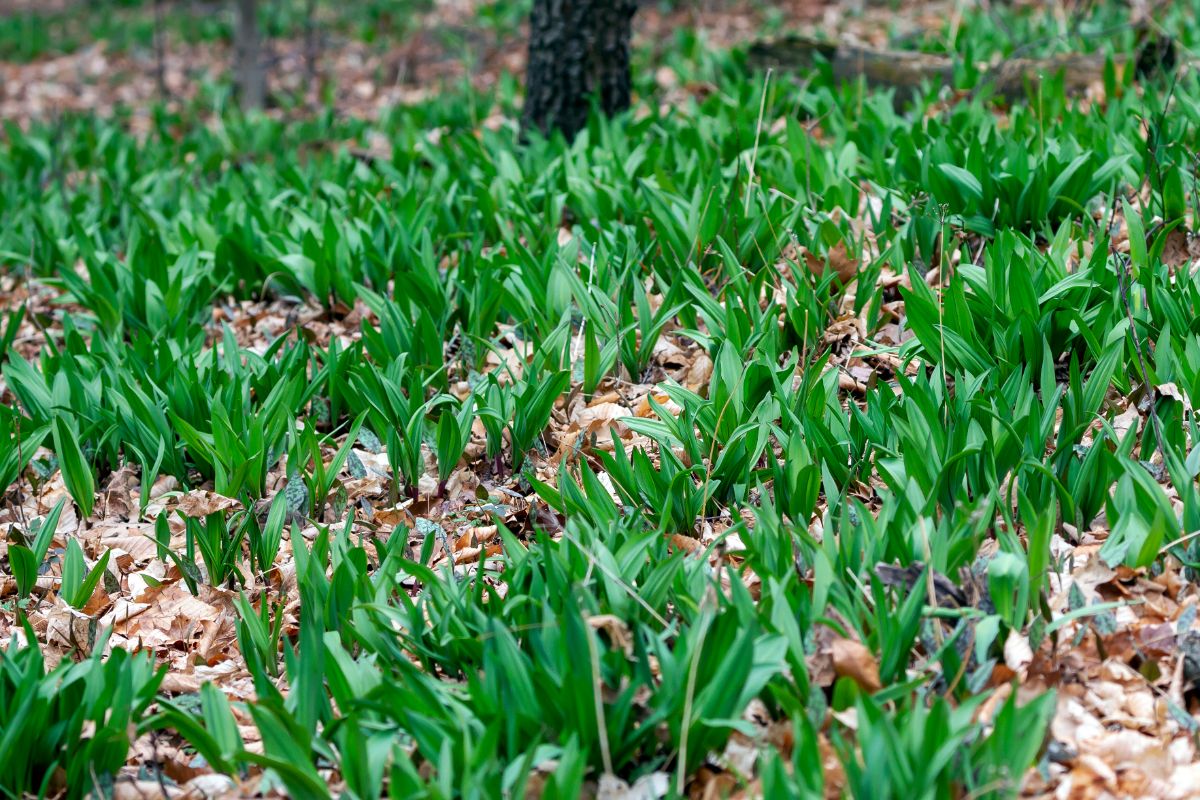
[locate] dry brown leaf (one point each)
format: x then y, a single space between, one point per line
122 611
69 628
687 544
615 628
130 544
644 409
475 536
213 787
472 555
144 790
600 416
1017 653
116 501
697 377
647 787
845 265
711 784
176 682
853 660
1127 419
175 616
202 502
391 517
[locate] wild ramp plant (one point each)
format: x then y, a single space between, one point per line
896 466
67 730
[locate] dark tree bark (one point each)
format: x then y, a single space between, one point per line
578 50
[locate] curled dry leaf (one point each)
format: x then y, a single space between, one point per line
174 615
177 682
644 409
213 786
1017 653
122 611
855 661
647 787
1127 419
145 790
592 425
687 544
471 555
615 628
391 517
698 373
131 544
599 418
116 501
1094 574
837 258
69 628
475 536
710 783
202 502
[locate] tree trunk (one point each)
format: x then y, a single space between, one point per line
578 50
160 51
251 77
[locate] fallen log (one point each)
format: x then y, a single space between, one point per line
908 71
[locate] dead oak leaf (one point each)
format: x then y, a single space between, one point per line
174 614
644 409
116 501
122 611
854 660
475 536
176 682
698 373
144 790
600 416
200 503
687 544
1017 653
837 258
472 555
595 424
130 544
615 628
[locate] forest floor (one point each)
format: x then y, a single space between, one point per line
428 52
773 439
